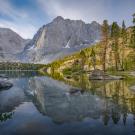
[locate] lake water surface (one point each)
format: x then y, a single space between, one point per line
40 105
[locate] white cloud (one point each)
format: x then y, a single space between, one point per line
6 8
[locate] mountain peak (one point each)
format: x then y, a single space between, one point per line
94 23
58 18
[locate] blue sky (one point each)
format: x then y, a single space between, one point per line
27 16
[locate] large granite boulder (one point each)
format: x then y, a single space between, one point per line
3 76
101 75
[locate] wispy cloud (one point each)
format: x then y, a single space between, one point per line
90 10
86 10
7 9
13 18
26 16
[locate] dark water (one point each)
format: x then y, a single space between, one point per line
38 105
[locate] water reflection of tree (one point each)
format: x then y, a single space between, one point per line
115 105
106 116
117 98
6 116
115 110
124 106
123 101
119 101
83 82
133 109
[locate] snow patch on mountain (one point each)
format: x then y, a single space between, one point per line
67 45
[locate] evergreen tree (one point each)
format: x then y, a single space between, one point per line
124 42
115 34
105 39
133 34
93 58
83 59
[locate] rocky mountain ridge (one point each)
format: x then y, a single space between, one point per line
59 38
52 41
10 44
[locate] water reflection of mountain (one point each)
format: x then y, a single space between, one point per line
13 97
19 73
111 101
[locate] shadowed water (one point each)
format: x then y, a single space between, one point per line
39 105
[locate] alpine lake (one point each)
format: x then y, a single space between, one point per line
44 105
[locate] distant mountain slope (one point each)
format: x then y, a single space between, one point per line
10 44
60 37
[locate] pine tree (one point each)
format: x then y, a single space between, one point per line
133 34
83 59
93 58
105 39
124 42
115 34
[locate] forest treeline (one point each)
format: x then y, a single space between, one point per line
19 66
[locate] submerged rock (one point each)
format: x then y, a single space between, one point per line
101 75
3 76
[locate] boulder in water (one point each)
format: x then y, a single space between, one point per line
4 85
76 90
101 75
3 76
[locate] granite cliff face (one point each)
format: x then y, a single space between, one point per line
60 37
